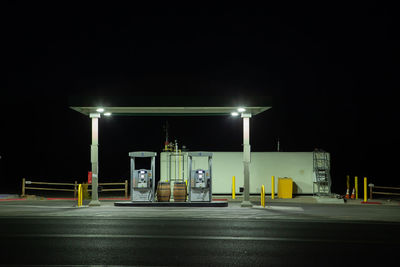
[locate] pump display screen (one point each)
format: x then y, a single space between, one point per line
200 176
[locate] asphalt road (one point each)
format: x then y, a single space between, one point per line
81 240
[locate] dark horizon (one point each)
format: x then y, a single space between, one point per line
330 70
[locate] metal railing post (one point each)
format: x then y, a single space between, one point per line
126 188
75 189
23 187
370 190
273 187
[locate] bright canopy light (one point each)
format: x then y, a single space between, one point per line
100 110
107 114
241 109
234 114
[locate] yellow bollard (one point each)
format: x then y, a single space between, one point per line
356 186
273 187
80 195
365 189
233 187
263 196
348 182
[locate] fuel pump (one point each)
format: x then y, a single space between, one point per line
142 180
200 187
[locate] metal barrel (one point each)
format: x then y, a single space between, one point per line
179 191
163 191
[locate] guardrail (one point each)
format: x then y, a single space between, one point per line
372 187
26 186
25 182
124 189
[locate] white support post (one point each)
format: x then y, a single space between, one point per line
94 151
246 159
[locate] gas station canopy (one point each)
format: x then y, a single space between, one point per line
170 106
169 111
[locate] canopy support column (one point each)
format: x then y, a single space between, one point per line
94 152
246 159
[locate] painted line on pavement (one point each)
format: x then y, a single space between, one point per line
284 208
38 206
194 237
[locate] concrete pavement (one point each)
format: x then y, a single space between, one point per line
282 210
297 232
231 236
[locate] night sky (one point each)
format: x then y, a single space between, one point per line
330 69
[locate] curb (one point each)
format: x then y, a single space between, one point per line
371 202
12 199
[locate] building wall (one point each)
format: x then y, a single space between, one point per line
296 165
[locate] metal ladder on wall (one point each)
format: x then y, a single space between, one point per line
321 167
